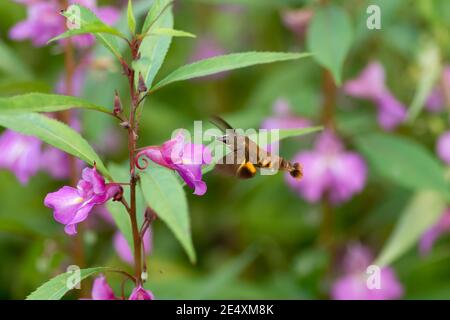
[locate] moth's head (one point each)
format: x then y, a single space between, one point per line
297 171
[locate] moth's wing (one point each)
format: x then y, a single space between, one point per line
243 171
227 169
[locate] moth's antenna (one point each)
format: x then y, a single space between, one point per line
220 123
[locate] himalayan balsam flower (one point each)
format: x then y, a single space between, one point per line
102 291
370 84
283 118
20 154
45 22
441 93
123 248
140 293
443 147
352 285
330 170
185 158
73 205
297 20
430 236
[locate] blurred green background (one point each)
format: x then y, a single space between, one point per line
256 238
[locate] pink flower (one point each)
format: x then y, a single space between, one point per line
329 170
140 293
284 118
433 233
352 285
297 20
73 205
102 291
123 249
370 84
441 92
185 158
21 154
55 162
44 22
443 147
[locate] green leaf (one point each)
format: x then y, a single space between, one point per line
130 17
153 51
171 32
164 194
54 133
88 28
121 173
403 161
11 64
430 67
423 211
329 38
225 63
41 102
57 287
287 133
88 18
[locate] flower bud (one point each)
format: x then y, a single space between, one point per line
117 104
141 86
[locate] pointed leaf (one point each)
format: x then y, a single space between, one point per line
225 63
164 194
54 133
329 38
89 28
404 161
422 212
171 32
41 102
88 18
153 50
57 287
130 17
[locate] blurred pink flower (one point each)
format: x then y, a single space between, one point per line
102 291
44 21
123 249
297 20
443 147
430 236
21 154
440 93
185 158
370 84
208 47
284 118
73 205
329 170
352 285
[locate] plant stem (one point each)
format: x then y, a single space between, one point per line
329 102
132 138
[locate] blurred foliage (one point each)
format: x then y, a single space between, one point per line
256 238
